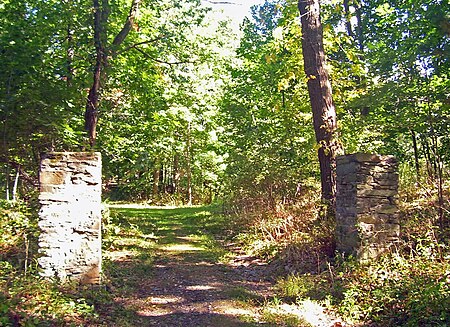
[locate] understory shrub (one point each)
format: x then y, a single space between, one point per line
18 233
295 236
397 291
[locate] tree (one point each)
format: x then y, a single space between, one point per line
320 94
103 51
36 100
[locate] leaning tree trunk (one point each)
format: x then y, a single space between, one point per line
319 88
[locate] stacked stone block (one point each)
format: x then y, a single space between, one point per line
366 214
70 216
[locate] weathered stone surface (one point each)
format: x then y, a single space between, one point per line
366 213
70 216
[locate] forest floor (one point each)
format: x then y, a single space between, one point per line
171 267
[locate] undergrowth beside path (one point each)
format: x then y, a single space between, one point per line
180 267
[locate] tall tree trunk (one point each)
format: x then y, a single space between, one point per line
162 186
156 172
320 95
416 155
70 55
429 161
359 25
16 185
101 13
176 173
70 51
188 165
91 113
7 182
348 16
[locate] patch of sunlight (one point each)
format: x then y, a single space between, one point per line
164 299
309 311
182 248
149 236
125 241
312 312
172 227
203 213
193 238
135 244
138 206
204 263
159 312
200 288
120 255
232 308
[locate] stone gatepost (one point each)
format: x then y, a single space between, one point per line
70 216
366 214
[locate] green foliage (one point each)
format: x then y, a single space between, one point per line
398 291
183 121
31 301
18 234
274 316
268 135
157 93
409 287
400 95
159 130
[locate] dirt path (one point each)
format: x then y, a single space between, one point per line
166 269
190 290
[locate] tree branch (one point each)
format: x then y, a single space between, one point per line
120 37
18 166
222 2
133 46
162 61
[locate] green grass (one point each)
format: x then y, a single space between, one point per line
159 228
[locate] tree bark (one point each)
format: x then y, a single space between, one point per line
129 24
70 51
359 25
320 94
176 173
91 113
188 165
348 23
156 171
16 185
416 155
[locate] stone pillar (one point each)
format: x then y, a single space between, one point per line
366 214
70 216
